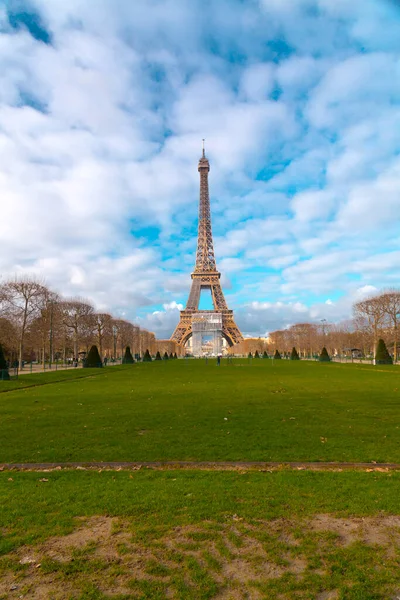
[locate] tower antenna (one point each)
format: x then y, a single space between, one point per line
204 152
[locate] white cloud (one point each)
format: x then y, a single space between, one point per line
364 292
313 204
371 204
100 134
163 322
352 88
173 305
257 82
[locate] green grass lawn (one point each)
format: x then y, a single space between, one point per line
187 410
199 535
26 379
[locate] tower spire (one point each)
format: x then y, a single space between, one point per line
205 259
204 152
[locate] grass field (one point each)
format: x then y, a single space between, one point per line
191 534
199 535
177 410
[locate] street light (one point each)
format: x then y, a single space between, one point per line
115 331
323 321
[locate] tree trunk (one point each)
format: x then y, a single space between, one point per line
21 343
51 358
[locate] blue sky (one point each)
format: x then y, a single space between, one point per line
102 112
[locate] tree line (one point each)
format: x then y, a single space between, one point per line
376 317
36 323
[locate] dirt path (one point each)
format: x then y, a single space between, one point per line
39 368
203 465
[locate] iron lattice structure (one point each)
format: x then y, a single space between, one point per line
206 275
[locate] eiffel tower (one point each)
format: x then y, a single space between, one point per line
206 276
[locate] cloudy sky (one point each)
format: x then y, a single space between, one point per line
103 105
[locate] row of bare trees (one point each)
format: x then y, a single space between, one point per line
375 317
309 338
378 317
35 322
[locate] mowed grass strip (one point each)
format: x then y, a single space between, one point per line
27 380
199 535
261 410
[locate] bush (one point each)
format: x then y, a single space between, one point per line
147 357
382 356
250 355
171 356
277 355
256 355
294 354
324 356
4 374
128 358
158 355
175 356
265 354
166 357
93 360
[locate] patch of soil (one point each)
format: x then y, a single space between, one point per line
382 531
333 595
95 530
240 594
113 559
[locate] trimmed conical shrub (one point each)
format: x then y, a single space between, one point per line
250 355
324 356
128 358
294 354
158 355
171 356
277 355
166 357
93 360
147 357
382 356
265 354
256 355
4 374
175 356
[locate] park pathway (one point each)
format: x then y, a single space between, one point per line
39 368
202 465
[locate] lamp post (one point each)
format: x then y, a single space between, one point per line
115 330
51 335
323 321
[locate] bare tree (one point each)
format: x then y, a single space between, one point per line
78 318
370 315
391 307
23 299
123 335
102 324
3 301
46 326
279 340
8 337
32 316
303 337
